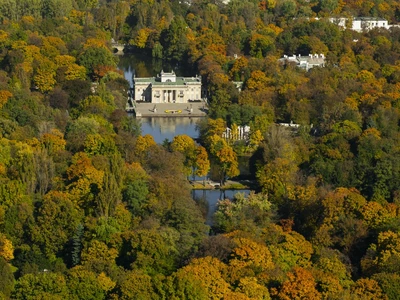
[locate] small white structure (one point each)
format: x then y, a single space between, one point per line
291 124
238 85
362 23
167 88
242 133
305 62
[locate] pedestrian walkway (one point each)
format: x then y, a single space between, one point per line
192 109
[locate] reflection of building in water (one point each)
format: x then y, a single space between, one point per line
167 88
169 125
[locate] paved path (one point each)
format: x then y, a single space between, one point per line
199 109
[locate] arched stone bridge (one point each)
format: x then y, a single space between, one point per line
119 47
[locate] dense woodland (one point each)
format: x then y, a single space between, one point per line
91 209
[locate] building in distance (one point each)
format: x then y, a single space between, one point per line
167 88
305 62
362 23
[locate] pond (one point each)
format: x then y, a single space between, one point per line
211 197
162 128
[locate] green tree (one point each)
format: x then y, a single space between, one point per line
56 221
94 57
41 286
7 279
83 284
176 43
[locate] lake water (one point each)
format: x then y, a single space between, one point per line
162 128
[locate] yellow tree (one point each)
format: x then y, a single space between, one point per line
185 145
141 38
53 141
83 178
300 285
75 71
6 248
202 163
249 258
143 143
45 74
224 157
208 273
365 288
238 67
4 96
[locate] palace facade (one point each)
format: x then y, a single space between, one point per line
167 88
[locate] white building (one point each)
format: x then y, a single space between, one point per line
362 23
167 88
305 62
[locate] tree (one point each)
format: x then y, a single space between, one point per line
109 196
248 258
243 213
202 163
85 180
84 284
207 273
94 57
136 285
6 248
142 145
185 145
224 157
4 96
41 286
56 221
44 76
7 279
153 252
300 285
176 40
53 141
98 257
367 288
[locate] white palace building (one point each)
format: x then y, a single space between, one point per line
167 88
362 23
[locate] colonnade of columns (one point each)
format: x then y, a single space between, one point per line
169 96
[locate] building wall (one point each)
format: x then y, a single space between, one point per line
142 91
360 24
161 93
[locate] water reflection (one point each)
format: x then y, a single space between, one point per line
143 65
212 197
162 128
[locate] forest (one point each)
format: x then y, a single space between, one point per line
92 209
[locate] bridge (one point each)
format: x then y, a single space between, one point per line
119 47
